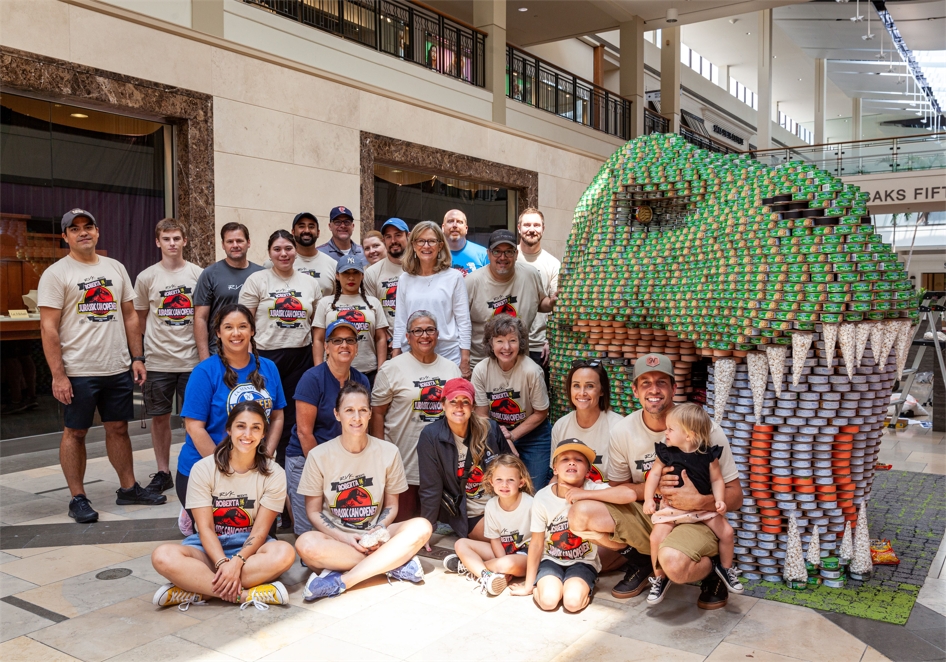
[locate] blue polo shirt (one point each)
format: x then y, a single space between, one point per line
319 388
209 399
470 258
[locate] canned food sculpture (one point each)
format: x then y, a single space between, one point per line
770 285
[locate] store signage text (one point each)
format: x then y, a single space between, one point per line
920 194
728 134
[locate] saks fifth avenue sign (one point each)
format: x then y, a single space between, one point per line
903 190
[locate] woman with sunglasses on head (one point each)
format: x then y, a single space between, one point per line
235 495
591 419
429 283
407 397
315 409
453 454
510 389
236 373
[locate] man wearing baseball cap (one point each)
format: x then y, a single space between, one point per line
685 553
504 286
342 225
88 323
309 259
381 277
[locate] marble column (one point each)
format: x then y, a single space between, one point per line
670 76
632 71
821 94
764 93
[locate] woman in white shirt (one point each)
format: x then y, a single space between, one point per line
429 283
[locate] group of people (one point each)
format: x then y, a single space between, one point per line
366 405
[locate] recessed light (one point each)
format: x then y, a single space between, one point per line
523 9
81 116
799 79
748 33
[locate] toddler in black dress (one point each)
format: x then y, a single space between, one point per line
687 448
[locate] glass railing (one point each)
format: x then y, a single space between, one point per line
866 157
533 81
403 30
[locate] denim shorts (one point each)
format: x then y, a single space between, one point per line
231 542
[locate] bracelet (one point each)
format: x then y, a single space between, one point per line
239 556
220 563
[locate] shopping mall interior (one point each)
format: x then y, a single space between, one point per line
252 111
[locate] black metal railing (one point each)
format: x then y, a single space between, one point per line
654 123
535 82
406 31
703 142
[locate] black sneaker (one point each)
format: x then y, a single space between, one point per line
729 576
159 482
658 589
714 594
634 582
139 495
80 509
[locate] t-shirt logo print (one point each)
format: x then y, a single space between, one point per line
512 541
428 404
474 484
230 514
357 318
98 303
287 309
177 308
563 544
353 502
593 473
504 305
245 392
504 409
390 295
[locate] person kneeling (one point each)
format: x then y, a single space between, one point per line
351 485
508 519
234 495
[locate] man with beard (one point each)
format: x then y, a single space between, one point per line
381 277
531 227
467 256
685 554
220 284
504 286
309 259
88 324
341 223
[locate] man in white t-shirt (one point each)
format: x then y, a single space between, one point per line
531 227
382 276
164 299
88 324
686 552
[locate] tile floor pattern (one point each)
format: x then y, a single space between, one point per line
52 606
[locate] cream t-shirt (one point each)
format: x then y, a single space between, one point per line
284 309
367 319
353 485
237 498
631 453
413 391
550 519
381 283
169 334
511 396
520 297
549 268
321 267
476 497
91 328
597 438
513 528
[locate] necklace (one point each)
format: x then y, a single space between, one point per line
285 282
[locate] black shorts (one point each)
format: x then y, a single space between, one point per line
159 389
112 395
549 568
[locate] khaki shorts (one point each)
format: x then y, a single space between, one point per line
633 527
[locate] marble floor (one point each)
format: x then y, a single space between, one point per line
56 605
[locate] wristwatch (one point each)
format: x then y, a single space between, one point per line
137 358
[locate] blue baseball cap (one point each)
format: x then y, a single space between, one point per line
348 263
70 216
340 211
337 324
396 222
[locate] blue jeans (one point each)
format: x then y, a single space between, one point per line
535 450
230 542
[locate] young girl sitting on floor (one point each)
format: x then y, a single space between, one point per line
687 448
507 521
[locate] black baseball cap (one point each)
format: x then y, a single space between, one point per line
502 237
303 216
70 216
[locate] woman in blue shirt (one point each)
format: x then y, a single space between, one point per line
236 373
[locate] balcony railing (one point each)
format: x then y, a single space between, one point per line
704 142
866 157
654 123
535 82
406 31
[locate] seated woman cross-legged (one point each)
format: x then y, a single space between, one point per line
235 495
351 485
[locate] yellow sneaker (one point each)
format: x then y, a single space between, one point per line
169 594
266 594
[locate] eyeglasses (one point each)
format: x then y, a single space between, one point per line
343 222
429 331
585 363
426 242
343 341
506 254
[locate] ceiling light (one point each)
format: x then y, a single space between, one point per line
748 33
523 9
81 116
733 21
672 15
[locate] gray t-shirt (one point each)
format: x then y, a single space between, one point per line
218 285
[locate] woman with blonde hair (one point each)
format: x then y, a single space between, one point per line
429 283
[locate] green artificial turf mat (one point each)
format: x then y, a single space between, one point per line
905 507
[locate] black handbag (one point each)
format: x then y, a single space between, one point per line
452 504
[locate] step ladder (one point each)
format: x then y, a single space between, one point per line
932 308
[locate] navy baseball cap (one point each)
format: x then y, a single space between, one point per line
303 216
340 211
340 323
502 237
396 222
70 216
348 263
